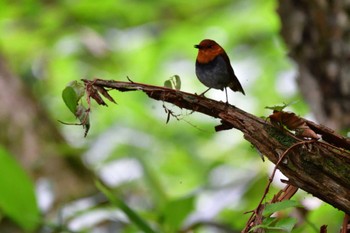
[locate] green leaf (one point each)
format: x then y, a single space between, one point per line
168 84
175 211
78 87
266 224
70 98
277 108
153 181
72 94
132 215
286 224
278 206
280 108
177 82
17 196
276 225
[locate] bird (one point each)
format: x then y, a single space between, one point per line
213 68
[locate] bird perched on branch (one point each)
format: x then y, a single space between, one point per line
213 68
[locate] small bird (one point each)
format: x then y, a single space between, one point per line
213 68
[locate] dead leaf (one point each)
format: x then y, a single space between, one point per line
104 92
292 122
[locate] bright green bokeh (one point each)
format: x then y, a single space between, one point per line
17 193
49 44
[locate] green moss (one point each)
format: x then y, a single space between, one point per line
341 170
332 166
279 136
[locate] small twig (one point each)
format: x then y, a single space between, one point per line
345 224
323 229
258 209
179 117
170 113
129 79
66 123
285 194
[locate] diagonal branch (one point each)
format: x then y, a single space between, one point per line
321 167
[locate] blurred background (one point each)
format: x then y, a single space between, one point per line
180 176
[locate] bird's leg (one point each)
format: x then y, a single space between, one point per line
226 96
205 92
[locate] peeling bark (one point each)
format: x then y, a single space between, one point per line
321 167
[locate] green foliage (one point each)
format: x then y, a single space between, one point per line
119 203
280 108
49 44
174 82
278 206
168 84
175 212
17 195
273 224
71 96
70 99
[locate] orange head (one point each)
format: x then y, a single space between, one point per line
208 50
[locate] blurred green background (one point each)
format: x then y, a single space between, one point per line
177 174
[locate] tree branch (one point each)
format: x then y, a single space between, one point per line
320 167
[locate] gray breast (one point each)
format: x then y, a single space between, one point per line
213 74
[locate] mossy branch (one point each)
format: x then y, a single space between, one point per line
320 167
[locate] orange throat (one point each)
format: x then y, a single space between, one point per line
205 56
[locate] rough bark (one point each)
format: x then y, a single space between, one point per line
318 167
317 33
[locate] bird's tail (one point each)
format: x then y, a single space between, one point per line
236 86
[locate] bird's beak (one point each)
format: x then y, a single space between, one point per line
196 46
